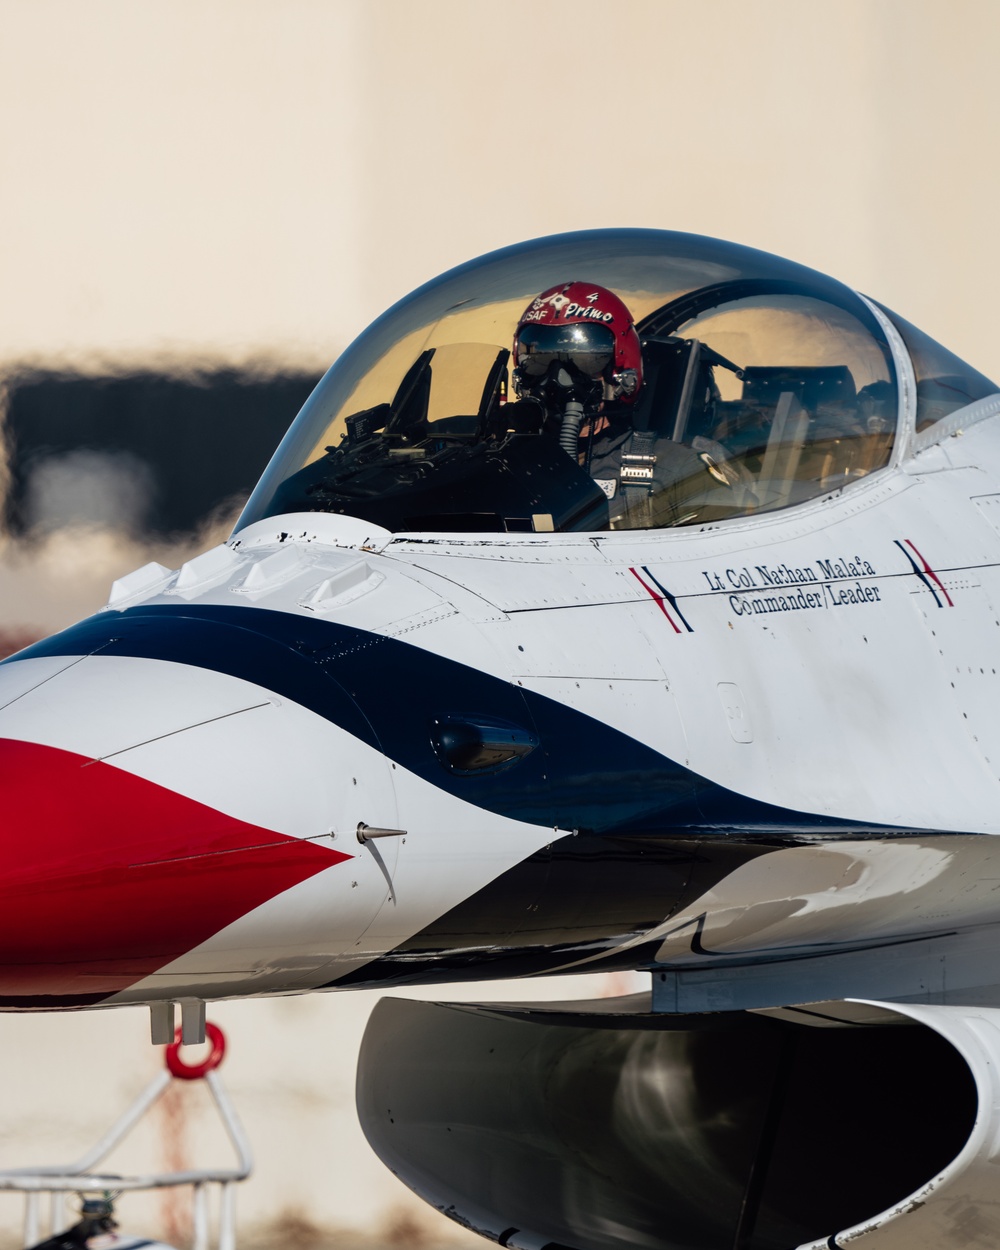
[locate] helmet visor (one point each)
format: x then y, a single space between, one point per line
590 348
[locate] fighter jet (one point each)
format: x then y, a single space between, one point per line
618 600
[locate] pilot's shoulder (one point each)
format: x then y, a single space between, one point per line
669 452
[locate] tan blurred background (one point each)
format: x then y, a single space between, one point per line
245 183
246 177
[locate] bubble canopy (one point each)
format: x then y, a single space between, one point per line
763 384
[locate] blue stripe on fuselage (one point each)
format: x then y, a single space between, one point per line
585 775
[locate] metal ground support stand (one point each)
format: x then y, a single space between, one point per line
60 1179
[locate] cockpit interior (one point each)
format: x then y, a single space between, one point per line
763 385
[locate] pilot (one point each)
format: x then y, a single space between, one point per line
876 403
577 354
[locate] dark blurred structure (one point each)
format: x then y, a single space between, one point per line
149 453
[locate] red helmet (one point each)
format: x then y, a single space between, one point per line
583 325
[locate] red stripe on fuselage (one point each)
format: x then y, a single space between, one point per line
105 877
658 599
931 574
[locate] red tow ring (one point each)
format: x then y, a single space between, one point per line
196 1071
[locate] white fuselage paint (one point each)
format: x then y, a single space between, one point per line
801 662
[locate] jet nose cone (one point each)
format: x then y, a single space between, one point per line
165 776
105 876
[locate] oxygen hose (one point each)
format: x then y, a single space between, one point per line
569 433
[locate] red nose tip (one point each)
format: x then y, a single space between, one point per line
105 877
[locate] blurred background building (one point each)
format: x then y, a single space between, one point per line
203 201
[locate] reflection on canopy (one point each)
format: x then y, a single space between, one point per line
765 385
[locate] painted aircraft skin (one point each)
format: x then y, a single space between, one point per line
757 754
